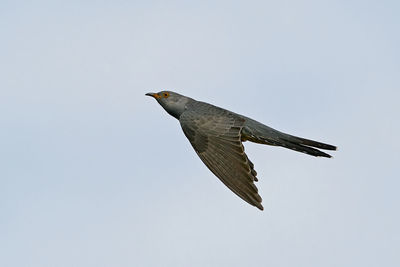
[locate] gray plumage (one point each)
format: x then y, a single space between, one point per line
216 135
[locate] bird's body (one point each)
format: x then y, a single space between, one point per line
216 135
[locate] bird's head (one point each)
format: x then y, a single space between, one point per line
172 102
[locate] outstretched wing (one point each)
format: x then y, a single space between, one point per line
215 135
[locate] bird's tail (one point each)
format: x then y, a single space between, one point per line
269 136
305 145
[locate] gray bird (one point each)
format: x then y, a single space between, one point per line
216 135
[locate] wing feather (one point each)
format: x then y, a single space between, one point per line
215 135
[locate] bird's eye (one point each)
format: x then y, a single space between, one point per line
166 94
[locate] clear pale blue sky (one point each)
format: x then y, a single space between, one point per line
93 173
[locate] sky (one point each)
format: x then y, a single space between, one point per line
94 173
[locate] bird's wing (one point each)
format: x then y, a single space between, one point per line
215 135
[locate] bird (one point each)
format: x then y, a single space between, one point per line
217 136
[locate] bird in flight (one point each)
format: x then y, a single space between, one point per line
216 135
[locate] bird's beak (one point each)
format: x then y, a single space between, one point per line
155 95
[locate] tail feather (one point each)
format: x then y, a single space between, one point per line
312 143
296 145
265 135
305 145
304 149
